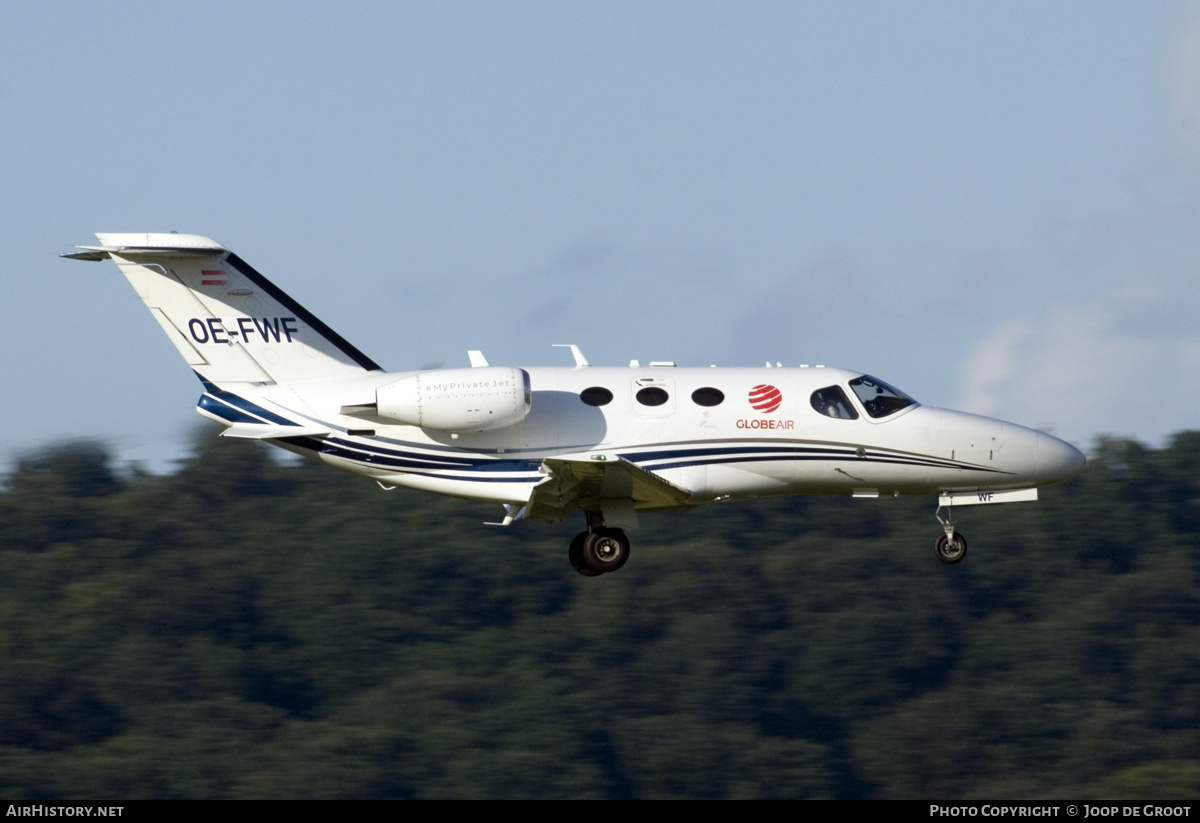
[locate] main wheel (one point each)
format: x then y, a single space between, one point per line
605 550
952 549
575 554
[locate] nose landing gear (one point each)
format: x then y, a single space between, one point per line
598 550
950 547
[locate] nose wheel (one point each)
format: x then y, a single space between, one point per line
950 547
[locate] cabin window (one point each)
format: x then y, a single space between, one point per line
833 402
596 396
652 396
708 396
878 398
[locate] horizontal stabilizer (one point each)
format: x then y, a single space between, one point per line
155 244
248 431
93 253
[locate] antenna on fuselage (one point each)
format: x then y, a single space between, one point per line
580 360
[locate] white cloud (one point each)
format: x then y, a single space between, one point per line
1126 362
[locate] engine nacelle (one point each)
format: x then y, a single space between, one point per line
458 400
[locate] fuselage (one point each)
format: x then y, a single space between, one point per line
546 442
720 433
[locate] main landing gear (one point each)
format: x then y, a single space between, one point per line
951 546
598 550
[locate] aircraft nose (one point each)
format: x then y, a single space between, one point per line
1057 460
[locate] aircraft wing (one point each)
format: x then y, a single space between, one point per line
601 482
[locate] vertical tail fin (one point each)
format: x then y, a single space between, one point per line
229 323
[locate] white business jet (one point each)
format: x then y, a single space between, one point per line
546 442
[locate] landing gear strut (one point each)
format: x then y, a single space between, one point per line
951 546
598 550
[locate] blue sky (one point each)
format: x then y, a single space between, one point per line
993 206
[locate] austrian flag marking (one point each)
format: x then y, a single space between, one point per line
212 277
765 398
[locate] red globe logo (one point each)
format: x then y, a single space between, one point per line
765 399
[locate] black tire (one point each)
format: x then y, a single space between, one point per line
605 550
950 550
575 555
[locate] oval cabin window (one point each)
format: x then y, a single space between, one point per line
708 396
596 396
652 396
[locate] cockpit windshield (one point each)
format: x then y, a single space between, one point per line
878 398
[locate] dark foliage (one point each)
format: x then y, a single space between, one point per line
242 628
